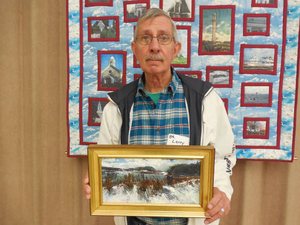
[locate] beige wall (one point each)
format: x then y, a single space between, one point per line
39 184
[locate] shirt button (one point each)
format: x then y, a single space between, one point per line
157 129
153 106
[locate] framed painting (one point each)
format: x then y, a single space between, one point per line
256 128
256 24
216 35
96 106
134 9
103 28
111 70
179 10
220 76
144 180
256 94
183 59
258 59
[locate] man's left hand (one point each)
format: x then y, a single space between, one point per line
218 206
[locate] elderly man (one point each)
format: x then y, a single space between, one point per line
164 102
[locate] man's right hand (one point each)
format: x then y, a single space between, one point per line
86 186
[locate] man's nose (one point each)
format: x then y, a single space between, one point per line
154 45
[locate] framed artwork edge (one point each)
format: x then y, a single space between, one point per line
96 153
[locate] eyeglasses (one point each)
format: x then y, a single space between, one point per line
162 39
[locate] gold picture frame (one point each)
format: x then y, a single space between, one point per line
150 180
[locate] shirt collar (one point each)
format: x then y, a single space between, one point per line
170 89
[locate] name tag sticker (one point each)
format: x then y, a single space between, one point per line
174 139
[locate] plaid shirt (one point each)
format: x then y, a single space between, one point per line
152 123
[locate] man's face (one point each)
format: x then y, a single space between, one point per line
164 54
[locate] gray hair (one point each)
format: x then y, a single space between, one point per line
151 14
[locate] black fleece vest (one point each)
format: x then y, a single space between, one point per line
194 91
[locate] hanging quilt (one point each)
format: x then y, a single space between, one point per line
248 50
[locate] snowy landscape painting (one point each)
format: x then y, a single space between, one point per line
163 181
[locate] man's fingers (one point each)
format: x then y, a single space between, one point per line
86 186
218 206
216 210
222 212
212 219
86 178
88 191
216 203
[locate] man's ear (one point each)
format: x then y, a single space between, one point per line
177 48
133 47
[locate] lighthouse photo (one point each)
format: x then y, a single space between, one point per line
216 30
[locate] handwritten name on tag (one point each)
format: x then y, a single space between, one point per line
174 139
